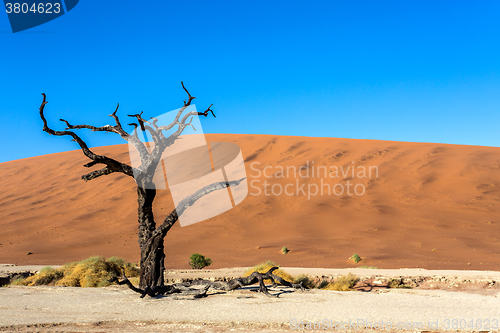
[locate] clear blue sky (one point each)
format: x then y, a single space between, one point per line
422 71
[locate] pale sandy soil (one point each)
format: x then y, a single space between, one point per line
432 206
23 306
117 309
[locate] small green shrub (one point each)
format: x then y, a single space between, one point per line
284 250
197 261
343 283
355 258
369 267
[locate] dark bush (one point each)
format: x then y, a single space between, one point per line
197 261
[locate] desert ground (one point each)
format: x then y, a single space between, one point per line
432 206
472 298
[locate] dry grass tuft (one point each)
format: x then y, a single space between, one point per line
46 276
343 283
91 272
265 266
309 282
398 283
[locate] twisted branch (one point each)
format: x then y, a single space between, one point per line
139 119
185 287
98 173
111 164
190 98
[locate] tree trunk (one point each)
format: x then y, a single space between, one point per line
152 260
152 248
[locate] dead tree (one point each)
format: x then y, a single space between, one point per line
151 236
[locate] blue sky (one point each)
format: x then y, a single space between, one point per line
421 71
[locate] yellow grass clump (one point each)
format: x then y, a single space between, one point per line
46 276
91 272
265 266
343 283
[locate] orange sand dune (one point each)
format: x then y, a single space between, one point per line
433 206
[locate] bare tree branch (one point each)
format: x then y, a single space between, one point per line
118 126
112 164
179 113
256 277
168 141
153 122
154 133
118 130
127 282
139 119
189 201
134 140
105 128
98 173
160 133
90 164
189 95
206 112
186 287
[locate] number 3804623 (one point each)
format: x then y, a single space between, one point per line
36 8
